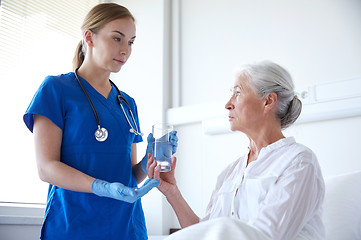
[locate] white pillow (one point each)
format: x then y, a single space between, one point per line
342 207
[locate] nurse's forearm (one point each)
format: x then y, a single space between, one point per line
48 140
138 172
64 176
137 166
185 214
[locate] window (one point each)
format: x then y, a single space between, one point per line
37 38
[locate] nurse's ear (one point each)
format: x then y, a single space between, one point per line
270 102
88 36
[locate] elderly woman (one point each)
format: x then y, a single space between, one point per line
277 187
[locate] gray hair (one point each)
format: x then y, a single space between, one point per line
266 77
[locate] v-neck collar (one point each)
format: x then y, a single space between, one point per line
91 90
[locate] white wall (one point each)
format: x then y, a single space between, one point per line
317 41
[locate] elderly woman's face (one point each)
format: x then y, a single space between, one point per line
245 107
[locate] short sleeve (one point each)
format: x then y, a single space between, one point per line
46 102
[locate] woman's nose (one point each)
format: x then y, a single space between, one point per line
125 49
229 104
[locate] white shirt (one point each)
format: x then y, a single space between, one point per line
280 194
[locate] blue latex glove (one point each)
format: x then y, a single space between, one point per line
118 191
173 139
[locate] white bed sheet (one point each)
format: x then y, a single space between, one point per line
218 229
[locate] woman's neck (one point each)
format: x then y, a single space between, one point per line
97 78
261 140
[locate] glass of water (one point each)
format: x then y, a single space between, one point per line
162 148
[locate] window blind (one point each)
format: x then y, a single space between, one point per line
37 38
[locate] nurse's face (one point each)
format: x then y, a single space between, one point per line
245 107
112 45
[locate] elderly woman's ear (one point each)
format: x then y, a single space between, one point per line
270 102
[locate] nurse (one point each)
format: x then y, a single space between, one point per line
276 188
93 191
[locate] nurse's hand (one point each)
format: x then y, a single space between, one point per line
118 191
173 139
168 183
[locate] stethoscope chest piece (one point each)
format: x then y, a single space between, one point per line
101 134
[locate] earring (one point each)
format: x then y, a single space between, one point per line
89 42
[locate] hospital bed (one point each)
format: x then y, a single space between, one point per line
342 216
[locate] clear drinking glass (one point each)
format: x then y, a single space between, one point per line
162 148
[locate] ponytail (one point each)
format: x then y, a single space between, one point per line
78 56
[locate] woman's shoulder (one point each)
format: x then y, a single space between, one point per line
289 148
56 83
129 99
127 96
58 79
285 154
302 152
300 155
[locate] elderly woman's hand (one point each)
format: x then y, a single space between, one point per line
167 180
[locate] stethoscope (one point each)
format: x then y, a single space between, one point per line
101 134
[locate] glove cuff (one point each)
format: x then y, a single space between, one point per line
99 187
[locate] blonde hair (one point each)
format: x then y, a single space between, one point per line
97 17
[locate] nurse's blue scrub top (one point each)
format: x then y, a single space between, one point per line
74 215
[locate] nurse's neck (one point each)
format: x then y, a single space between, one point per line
97 78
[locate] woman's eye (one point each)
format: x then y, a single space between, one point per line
131 43
117 39
235 91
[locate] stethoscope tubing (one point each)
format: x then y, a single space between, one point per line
87 95
101 134
120 99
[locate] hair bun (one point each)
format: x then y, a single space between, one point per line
294 111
